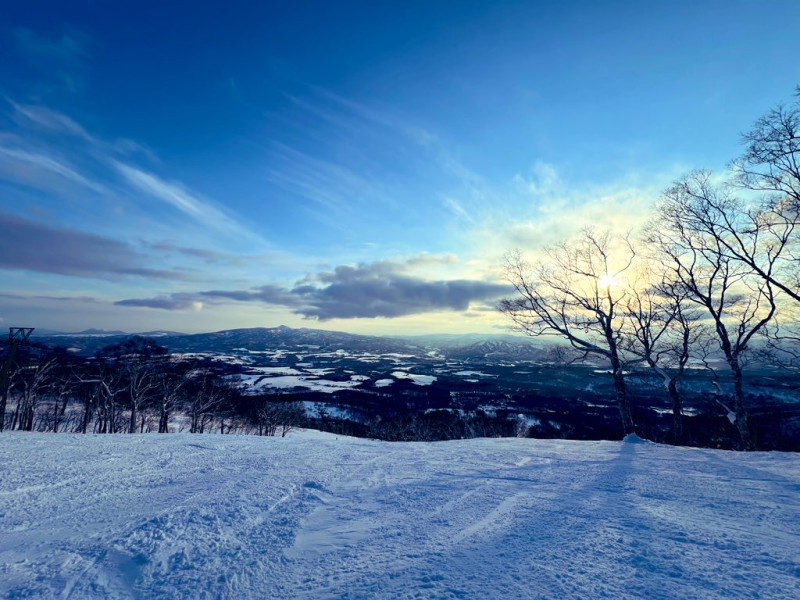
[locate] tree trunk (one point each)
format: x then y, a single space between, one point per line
26 414
132 424
104 424
3 404
56 415
677 412
739 409
163 421
87 412
112 417
622 397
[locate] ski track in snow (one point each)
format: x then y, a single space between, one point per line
323 517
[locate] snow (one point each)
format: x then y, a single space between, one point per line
288 378
294 381
318 516
276 371
318 409
472 374
415 378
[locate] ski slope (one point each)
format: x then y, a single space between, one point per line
318 516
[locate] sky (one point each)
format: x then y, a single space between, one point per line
355 166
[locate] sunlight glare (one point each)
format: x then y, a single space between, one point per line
606 281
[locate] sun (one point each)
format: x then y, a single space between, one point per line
606 281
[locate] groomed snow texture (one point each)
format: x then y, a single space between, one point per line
316 516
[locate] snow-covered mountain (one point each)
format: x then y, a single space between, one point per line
317 516
499 347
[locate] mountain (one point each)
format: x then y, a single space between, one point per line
497 349
462 347
289 339
85 333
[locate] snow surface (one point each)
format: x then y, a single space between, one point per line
257 384
472 374
416 379
318 516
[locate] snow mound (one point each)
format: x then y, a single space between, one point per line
632 438
320 516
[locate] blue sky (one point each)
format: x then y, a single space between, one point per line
360 166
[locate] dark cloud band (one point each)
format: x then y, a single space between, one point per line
366 291
27 245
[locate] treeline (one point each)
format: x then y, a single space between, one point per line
712 281
138 386
135 386
427 426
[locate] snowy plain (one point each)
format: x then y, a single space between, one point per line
318 516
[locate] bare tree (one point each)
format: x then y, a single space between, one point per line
89 390
781 348
140 360
10 377
142 380
771 165
208 395
574 293
762 236
707 348
63 388
170 385
109 385
273 416
771 161
36 377
691 245
661 332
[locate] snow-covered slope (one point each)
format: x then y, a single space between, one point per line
315 516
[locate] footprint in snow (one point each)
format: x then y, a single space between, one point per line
318 491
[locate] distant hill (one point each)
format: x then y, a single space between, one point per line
462 347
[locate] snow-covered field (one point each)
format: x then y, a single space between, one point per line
316 516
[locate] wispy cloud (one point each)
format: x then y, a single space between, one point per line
383 117
55 122
412 132
210 256
542 181
46 163
330 185
456 207
51 120
364 156
182 199
109 160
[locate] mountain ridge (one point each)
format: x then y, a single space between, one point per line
283 337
